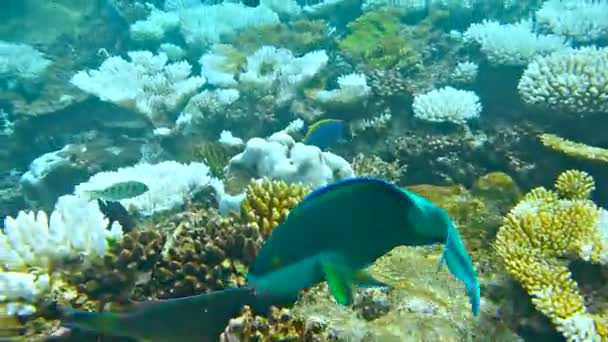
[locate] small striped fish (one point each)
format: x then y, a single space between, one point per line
118 191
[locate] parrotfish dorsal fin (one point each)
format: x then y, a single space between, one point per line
344 183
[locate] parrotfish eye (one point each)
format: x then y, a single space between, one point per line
276 263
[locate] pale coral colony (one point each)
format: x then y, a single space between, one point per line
496 110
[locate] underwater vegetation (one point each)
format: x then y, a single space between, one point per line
374 38
300 170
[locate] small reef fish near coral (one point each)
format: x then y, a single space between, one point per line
302 170
324 133
118 191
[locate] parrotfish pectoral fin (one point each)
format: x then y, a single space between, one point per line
339 283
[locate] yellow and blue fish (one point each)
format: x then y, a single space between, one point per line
325 133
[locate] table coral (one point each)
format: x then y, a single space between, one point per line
547 225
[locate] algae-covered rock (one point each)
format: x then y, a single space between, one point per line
375 40
299 36
424 305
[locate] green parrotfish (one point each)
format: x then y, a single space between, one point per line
200 318
339 230
118 191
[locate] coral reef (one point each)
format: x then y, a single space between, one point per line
374 166
268 202
374 40
280 325
574 149
205 252
299 36
123 267
546 226
574 81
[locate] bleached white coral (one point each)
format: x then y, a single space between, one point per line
166 191
203 26
352 88
464 73
20 290
280 157
294 126
21 61
147 84
265 64
277 69
173 52
178 5
447 105
155 26
228 139
511 44
16 286
76 227
221 64
287 8
571 80
207 104
580 20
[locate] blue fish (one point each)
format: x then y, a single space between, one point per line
325 133
337 231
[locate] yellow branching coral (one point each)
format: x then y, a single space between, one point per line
574 149
546 225
268 202
574 184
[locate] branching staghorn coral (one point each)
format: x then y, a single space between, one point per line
267 203
544 226
574 149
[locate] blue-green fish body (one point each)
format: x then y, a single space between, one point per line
199 318
337 231
118 191
325 133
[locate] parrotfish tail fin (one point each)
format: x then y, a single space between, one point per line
340 278
90 321
460 265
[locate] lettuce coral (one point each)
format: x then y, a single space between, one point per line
547 225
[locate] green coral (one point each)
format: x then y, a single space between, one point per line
375 40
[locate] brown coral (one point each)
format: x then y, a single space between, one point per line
116 276
268 203
280 325
205 253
